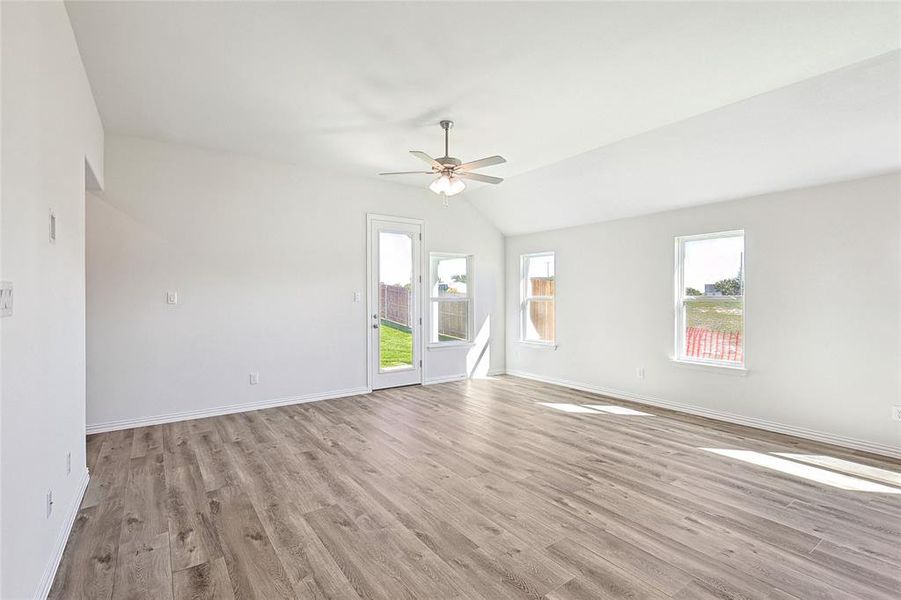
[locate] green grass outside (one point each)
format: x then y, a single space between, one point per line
396 346
717 316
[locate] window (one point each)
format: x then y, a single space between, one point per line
538 298
451 298
710 298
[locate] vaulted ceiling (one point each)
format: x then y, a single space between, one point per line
631 90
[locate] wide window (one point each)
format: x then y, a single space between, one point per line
451 298
710 298
538 298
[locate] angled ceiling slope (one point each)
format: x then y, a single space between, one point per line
357 84
841 125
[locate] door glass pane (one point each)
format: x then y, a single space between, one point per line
395 301
714 299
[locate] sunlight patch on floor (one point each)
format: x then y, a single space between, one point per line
594 409
570 408
804 471
846 466
618 410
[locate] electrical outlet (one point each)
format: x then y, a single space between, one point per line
6 298
171 297
896 413
68 463
254 377
639 372
358 296
49 503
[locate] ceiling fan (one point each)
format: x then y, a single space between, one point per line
451 171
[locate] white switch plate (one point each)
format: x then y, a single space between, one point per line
171 297
49 503
639 372
896 413
254 377
6 298
68 463
52 233
358 296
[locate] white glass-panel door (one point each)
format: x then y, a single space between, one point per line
394 322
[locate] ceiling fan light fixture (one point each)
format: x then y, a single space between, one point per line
447 185
451 170
440 185
455 186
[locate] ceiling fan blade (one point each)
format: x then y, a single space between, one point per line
427 158
410 173
478 177
482 162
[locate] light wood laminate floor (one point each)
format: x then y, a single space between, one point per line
475 490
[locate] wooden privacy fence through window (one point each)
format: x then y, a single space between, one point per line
712 344
394 306
541 312
453 320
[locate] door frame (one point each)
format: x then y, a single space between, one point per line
370 217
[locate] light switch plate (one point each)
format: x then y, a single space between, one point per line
6 298
171 297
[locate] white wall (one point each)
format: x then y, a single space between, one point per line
50 127
265 258
822 310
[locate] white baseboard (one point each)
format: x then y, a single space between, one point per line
434 380
221 410
460 377
801 432
61 539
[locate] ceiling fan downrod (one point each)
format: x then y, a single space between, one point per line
446 125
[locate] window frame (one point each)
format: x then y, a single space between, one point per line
525 298
469 299
681 298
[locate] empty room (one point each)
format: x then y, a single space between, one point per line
280 314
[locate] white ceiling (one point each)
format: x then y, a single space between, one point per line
353 86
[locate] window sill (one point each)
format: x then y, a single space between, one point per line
725 369
449 345
543 345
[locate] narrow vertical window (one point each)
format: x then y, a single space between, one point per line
710 298
538 308
451 298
